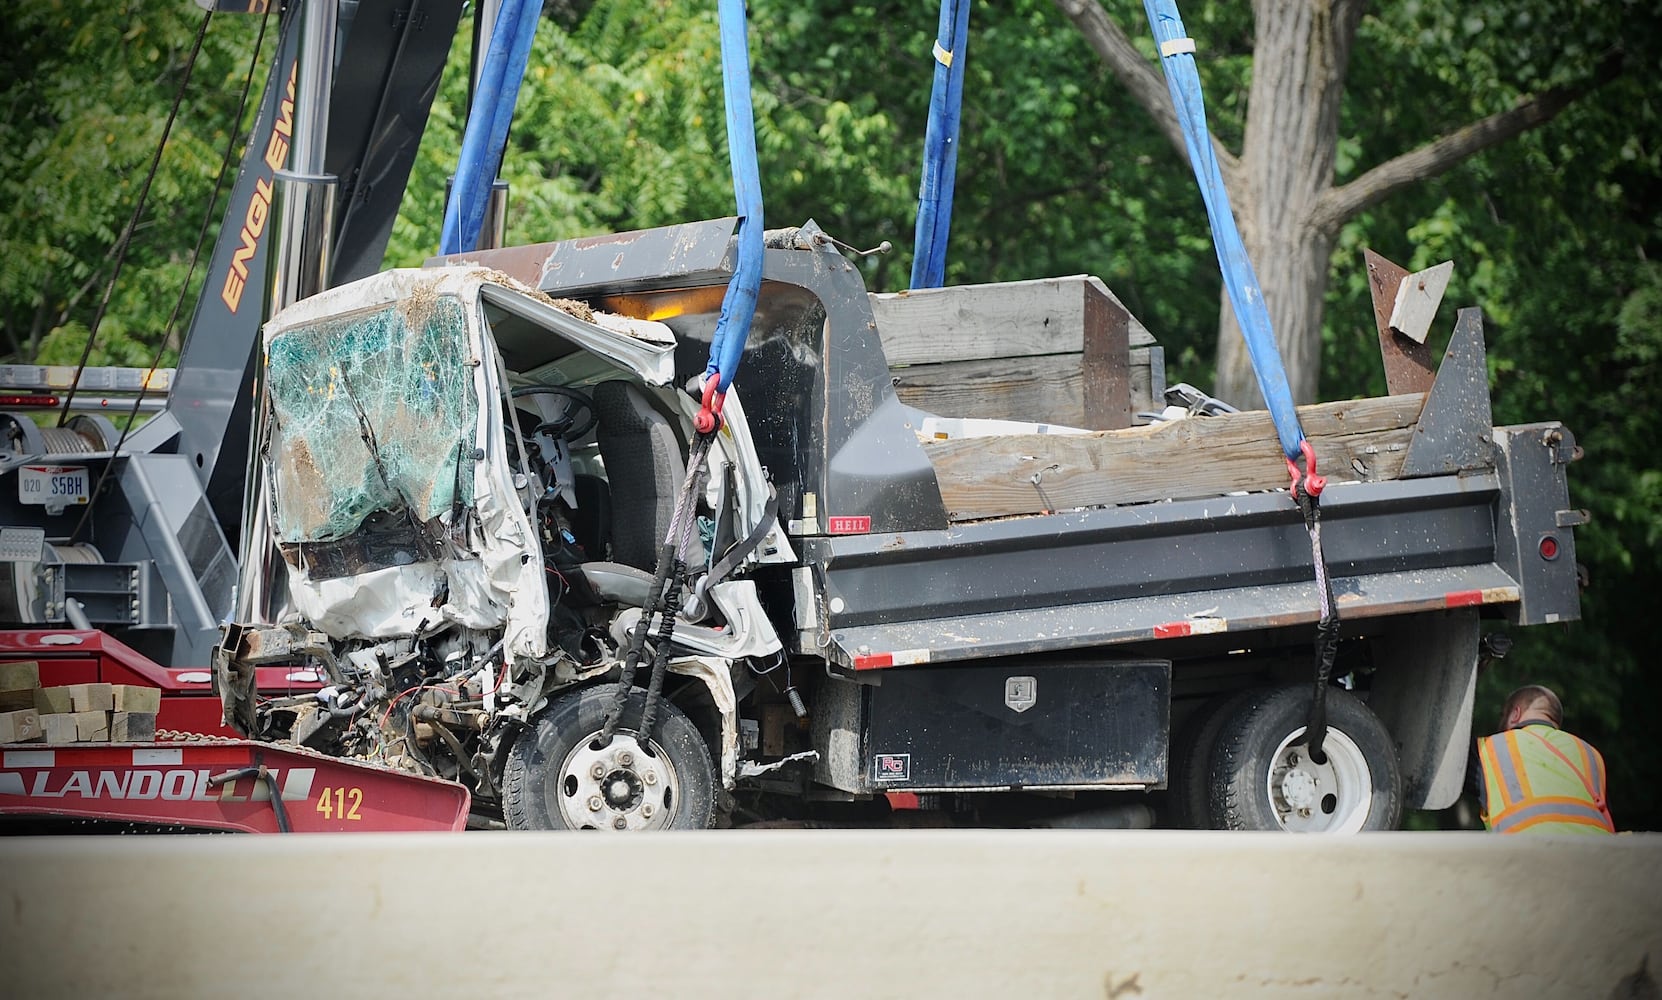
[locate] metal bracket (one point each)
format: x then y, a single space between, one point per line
1561 443
1572 518
1455 426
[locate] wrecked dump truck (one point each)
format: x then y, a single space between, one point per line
468 481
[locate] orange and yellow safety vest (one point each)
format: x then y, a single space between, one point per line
1542 780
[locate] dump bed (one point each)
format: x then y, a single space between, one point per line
930 545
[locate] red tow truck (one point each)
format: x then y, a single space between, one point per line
118 551
200 775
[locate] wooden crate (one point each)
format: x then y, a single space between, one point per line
1054 350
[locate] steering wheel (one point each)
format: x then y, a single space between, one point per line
575 404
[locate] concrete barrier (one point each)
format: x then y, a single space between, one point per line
832 914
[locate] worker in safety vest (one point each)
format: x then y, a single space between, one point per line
1536 778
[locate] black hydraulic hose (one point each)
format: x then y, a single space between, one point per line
660 662
666 595
260 772
679 543
637 642
735 555
277 807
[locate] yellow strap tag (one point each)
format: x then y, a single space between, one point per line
1177 46
942 56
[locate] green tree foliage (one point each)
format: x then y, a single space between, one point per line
86 92
1555 235
618 126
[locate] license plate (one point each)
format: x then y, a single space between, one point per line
53 484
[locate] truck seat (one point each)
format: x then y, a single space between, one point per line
644 467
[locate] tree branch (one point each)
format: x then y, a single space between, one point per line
1339 204
1142 79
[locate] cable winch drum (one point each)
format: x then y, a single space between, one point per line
84 434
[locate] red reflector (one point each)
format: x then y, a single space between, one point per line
28 401
1549 547
1172 630
1463 598
903 800
873 661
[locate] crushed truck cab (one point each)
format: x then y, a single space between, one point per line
458 491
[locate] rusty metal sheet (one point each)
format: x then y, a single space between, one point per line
1408 366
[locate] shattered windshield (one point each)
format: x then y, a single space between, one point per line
371 412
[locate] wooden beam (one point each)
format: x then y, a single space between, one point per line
1363 439
1148 378
1051 350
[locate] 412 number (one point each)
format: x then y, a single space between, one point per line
340 803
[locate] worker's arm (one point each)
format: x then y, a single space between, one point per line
1474 778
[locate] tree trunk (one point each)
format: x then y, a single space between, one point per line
1293 275
1298 72
1281 185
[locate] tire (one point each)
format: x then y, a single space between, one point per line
556 779
1189 790
1261 778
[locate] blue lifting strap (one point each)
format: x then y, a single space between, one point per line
487 124
1245 297
738 307
940 146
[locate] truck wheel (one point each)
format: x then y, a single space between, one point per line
1262 777
1189 791
559 778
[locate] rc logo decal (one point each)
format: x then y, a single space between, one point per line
1021 693
893 767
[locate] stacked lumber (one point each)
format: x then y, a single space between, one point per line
73 713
